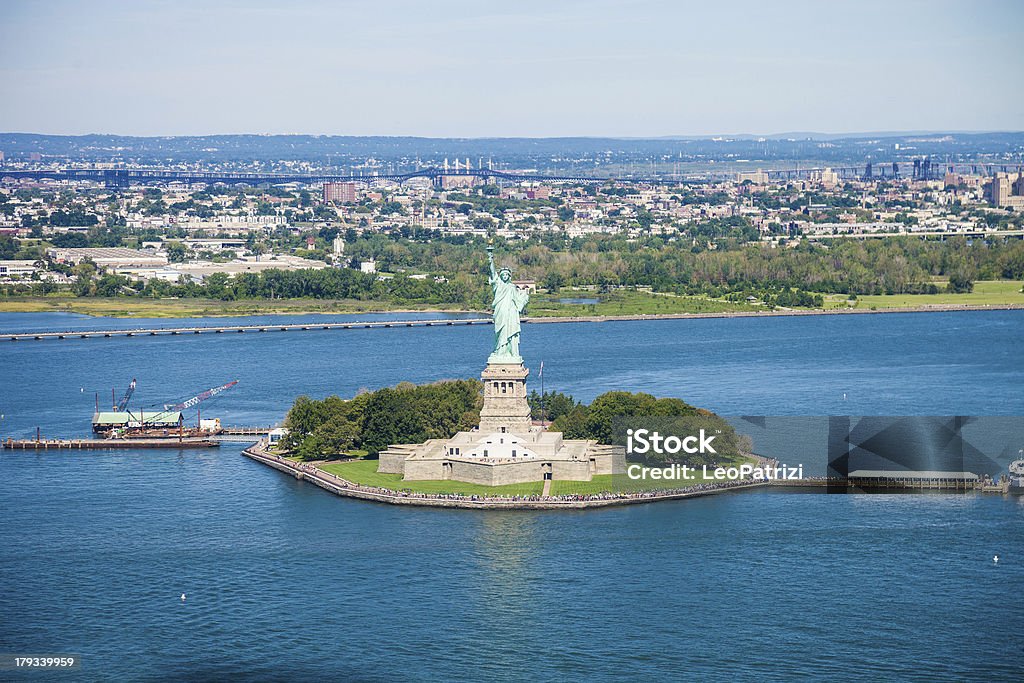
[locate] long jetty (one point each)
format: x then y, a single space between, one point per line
454 322
104 444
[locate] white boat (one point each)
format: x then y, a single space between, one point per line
1017 477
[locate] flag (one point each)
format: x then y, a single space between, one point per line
541 372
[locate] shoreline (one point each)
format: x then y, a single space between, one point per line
341 487
16 302
169 330
347 489
927 308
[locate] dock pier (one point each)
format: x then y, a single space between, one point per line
896 485
105 444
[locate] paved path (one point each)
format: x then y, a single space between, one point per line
335 484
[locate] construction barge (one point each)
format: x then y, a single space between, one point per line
108 444
124 429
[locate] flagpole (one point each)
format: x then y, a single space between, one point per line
543 410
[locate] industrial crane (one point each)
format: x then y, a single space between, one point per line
199 398
123 403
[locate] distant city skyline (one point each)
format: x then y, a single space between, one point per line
458 69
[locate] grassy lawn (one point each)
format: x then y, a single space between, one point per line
123 307
365 472
986 292
619 302
603 483
623 302
628 302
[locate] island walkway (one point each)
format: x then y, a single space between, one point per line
342 487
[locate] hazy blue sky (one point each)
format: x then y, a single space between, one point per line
477 68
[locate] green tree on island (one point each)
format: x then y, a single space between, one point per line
372 421
409 413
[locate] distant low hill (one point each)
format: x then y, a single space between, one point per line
544 153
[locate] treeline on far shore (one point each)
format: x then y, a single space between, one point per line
409 413
452 269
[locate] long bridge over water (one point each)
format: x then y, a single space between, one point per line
456 322
126 177
222 329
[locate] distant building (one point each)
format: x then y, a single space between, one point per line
201 269
339 247
275 435
368 266
20 268
107 257
453 182
528 285
215 244
757 177
147 274
538 192
105 422
824 177
343 193
1006 194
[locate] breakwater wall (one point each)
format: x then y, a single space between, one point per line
341 487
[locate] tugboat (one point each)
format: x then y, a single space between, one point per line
1017 475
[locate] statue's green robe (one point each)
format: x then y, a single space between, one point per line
509 301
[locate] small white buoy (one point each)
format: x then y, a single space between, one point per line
844 396
995 559
82 390
183 597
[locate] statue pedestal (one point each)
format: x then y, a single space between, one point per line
503 359
505 406
506 448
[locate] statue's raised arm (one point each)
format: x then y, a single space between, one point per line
490 262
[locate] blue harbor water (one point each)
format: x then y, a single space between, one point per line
286 581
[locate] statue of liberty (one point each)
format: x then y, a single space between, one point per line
509 302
